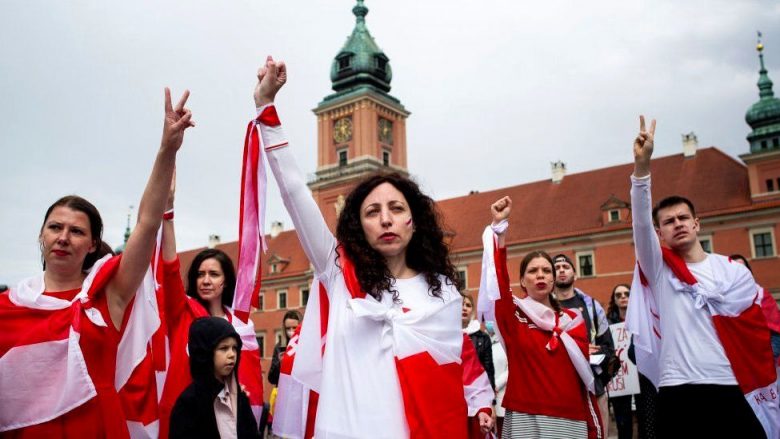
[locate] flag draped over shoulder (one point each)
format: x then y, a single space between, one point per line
39 343
738 321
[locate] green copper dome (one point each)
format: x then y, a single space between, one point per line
360 62
764 115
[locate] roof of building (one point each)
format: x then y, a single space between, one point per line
543 210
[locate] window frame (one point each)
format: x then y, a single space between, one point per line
279 293
772 241
708 238
578 255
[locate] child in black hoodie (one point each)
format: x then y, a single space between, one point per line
213 406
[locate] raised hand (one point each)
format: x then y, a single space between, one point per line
270 79
501 209
177 119
643 148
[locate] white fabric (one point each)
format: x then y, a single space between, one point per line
502 373
479 394
472 327
29 293
360 394
138 430
44 385
691 352
143 322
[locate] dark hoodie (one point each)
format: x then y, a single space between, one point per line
193 414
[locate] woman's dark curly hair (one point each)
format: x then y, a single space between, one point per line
227 269
426 253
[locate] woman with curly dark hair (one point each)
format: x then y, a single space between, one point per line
391 363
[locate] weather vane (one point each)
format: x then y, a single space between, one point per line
759 46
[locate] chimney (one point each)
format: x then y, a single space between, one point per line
558 171
690 144
276 228
213 241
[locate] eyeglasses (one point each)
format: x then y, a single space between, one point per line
621 293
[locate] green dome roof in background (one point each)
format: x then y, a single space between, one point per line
360 62
764 115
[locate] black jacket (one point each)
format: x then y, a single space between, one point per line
276 363
484 347
193 414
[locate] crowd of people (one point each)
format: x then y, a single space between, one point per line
98 345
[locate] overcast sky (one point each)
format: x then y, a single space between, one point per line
497 91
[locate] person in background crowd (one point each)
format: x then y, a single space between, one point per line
502 374
479 338
621 405
550 385
290 322
769 307
598 328
213 405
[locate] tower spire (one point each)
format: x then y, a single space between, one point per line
764 83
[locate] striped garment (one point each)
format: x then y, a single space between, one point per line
523 425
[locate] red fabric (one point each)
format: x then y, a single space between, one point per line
269 117
541 381
102 416
249 192
771 311
179 311
435 408
472 368
311 415
746 340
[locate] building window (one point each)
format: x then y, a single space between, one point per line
281 296
614 215
344 62
381 63
706 243
304 296
274 268
775 142
770 185
462 279
261 301
763 243
585 264
261 343
278 336
385 158
763 144
343 157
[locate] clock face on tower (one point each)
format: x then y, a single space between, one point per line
385 128
342 130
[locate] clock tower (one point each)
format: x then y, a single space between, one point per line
361 128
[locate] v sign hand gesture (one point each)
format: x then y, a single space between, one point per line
177 119
643 148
